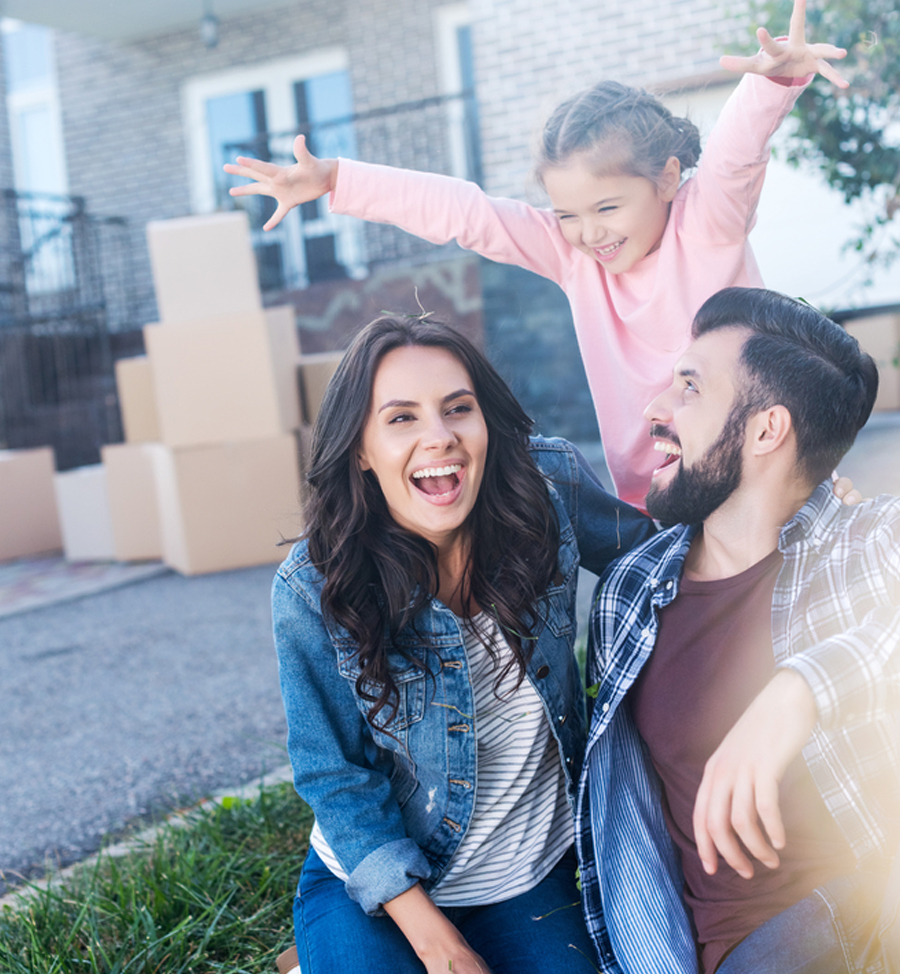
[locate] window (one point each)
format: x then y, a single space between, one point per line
454 43
39 170
257 111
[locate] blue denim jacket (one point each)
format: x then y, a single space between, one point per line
394 809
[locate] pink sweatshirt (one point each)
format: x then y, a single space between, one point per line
631 327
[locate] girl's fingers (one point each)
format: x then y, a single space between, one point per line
248 189
797 29
827 71
252 167
276 217
826 51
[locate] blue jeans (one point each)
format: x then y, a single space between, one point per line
542 929
827 933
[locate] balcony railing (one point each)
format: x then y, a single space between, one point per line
66 283
437 134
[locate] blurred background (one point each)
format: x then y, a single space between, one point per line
116 114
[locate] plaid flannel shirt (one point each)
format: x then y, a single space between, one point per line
836 621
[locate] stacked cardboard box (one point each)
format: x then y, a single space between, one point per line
218 427
879 335
29 523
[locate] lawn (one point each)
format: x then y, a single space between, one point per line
211 895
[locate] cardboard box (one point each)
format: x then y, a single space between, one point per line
137 399
218 380
879 335
203 266
227 505
133 504
29 524
82 499
313 375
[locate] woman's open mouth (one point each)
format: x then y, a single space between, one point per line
438 482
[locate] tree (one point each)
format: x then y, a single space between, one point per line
853 135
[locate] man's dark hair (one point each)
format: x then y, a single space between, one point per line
799 359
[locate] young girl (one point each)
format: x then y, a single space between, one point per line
635 249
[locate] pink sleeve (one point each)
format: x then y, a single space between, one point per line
442 208
726 187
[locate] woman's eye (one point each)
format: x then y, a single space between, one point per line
401 418
462 407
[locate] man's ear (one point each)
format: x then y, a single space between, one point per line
769 429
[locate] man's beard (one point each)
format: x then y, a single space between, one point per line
695 493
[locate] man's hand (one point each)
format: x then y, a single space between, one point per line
308 179
789 57
738 795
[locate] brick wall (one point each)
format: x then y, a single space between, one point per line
530 55
121 103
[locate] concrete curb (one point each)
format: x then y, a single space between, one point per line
18 898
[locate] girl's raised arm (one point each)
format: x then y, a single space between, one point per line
790 57
308 179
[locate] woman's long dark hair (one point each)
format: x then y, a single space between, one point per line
378 575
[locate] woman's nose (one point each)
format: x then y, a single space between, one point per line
438 435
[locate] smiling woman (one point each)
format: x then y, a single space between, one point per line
424 629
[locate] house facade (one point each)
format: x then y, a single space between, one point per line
147 117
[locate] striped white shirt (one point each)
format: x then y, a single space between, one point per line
521 823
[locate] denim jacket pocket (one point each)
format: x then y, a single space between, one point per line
409 676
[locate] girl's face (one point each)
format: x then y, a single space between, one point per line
426 441
616 220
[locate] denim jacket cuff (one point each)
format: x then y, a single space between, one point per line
385 873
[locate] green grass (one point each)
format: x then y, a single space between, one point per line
214 895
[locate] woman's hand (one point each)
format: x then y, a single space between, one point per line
308 179
844 490
437 943
791 56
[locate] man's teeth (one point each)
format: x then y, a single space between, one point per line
437 471
666 446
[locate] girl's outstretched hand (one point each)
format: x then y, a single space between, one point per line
789 57
308 179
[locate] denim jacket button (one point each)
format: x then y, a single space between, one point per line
543 672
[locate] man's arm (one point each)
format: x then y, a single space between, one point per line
738 795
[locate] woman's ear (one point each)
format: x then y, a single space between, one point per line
669 180
363 462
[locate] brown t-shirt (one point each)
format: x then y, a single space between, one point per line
713 655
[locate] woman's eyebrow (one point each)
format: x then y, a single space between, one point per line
407 403
457 394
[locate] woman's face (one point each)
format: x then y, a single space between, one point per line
426 441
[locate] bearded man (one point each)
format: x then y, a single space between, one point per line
743 759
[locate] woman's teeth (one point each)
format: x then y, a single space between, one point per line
437 471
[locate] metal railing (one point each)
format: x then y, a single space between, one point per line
65 286
437 134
